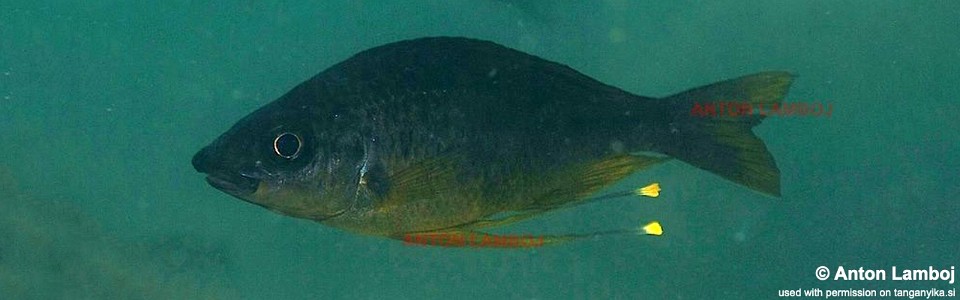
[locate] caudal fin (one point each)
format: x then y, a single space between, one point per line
706 131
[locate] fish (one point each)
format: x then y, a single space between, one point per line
455 136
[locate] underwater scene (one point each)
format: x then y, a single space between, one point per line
482 149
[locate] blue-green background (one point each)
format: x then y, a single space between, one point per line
103 103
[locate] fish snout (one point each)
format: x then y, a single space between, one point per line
201 161
208 161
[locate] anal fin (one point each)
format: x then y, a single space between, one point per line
575 186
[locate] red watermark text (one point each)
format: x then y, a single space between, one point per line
744 109
456 239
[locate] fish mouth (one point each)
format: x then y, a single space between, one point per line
234 185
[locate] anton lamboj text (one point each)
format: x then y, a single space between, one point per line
928 274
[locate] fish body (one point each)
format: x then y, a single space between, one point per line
446 134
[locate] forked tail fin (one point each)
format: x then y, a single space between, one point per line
710 128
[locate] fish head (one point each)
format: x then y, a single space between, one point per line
287 160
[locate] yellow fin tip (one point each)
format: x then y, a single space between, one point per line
652 190
653 228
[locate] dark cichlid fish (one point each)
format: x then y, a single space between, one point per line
450 134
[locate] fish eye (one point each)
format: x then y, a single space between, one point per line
287 145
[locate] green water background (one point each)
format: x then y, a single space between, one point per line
102 105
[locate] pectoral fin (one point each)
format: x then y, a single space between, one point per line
422 181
